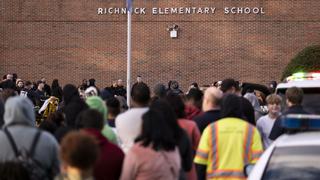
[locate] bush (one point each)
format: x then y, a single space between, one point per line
306 60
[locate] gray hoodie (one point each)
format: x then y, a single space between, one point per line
255 104
19 118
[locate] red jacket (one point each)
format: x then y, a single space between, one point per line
109 164
191 111
194 134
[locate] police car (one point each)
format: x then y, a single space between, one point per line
295 155
309 83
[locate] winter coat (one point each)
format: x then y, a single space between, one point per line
19 119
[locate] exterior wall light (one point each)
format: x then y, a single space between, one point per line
173 30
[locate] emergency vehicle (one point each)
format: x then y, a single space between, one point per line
309 83
295 155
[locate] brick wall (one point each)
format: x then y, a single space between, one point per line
68 40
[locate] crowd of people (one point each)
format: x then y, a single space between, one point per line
84 132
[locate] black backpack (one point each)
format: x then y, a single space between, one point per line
35 169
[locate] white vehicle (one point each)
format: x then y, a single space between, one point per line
292 156
310 84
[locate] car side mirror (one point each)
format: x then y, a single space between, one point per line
247 169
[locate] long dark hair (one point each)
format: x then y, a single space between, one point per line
177 104
171 119
70 92
55 84
156 132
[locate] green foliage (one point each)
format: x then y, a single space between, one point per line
306 60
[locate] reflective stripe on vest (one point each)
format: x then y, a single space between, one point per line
202 155
226 174
256 155
215 171
214 145
248 139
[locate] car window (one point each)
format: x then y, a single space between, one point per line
297 162
310 101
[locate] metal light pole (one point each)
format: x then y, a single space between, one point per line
129 10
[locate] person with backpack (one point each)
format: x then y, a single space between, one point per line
22 142
13 170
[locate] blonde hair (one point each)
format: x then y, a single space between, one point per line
273 99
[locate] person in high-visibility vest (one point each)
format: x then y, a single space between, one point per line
228 144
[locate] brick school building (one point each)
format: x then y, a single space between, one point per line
249 40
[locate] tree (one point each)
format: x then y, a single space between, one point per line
306 60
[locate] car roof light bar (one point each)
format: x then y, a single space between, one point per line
301 122
300 76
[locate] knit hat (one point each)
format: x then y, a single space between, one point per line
18 80
91 91
95 102
174 85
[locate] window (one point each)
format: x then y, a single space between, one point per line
310 101
297 162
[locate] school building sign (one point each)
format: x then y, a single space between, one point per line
183 40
